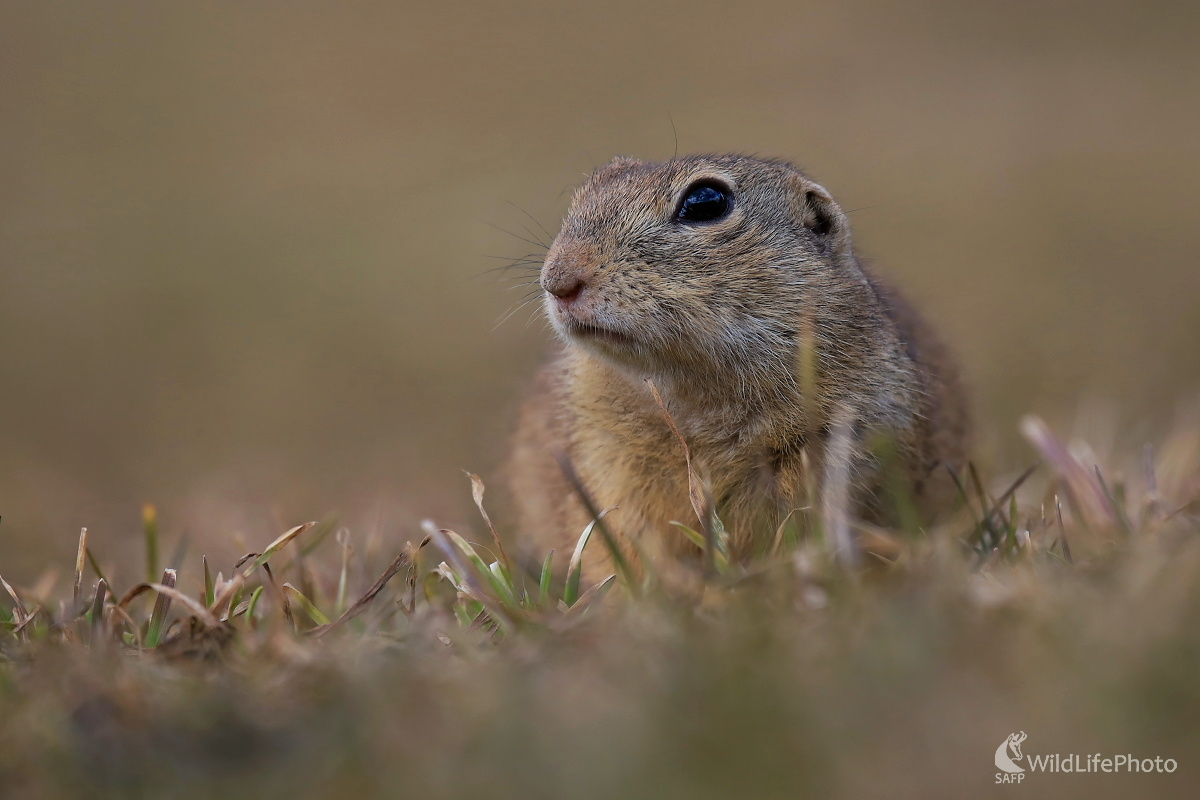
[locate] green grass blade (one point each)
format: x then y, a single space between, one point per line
162 606
150 537
544 581
95 566
624 570
694 536
253 602
575 566
275 546
591 596
209 594
305 604
499 586
343 538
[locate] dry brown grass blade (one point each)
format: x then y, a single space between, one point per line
274 547
695 488
360 605
477 494
136 632
95 565
806 369
17 604
194 608
590 597
198 611
1190 507
777 542
133 593
80 562
280 595
699 491
229 590
411 551
1084 492
19 630
227 593
244 559
98 603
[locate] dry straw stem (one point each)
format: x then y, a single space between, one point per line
590 597
136 631
835 499
624 570
575 566
695 489
699 493
80 563
17 604
171 594
1086 490
343 540
360 605
97 609
306 605
806 368
477 489
273 548
20 629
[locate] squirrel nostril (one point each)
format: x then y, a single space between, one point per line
567 292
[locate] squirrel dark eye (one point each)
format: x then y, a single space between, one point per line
704 202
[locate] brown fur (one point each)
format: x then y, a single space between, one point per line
717 315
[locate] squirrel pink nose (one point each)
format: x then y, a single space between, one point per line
567 291
568 271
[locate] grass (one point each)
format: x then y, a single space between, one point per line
1062 602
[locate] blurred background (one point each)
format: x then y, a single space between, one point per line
244 247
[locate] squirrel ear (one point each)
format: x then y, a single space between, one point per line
619 163
822 217
615 165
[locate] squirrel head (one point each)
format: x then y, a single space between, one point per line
697 265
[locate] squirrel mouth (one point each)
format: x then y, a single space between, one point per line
591 332
580 325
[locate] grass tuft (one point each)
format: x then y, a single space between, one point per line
1060 601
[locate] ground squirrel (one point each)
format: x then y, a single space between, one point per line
708 275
